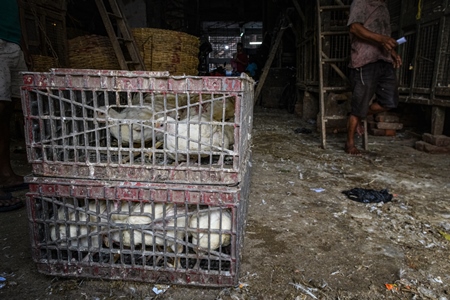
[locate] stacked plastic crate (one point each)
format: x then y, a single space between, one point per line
138 175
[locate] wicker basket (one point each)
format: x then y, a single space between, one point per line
92 52
43 63
166 50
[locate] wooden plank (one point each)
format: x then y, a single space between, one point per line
365 136
269 61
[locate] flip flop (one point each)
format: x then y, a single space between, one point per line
16 187
9 203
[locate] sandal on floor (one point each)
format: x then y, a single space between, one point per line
16 187
8 202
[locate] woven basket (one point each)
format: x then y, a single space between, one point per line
43 63
92 52
167 50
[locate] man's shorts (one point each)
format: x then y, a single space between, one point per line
11 63
378 79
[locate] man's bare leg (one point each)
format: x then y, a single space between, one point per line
352 124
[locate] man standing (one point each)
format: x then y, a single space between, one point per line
11 63
372 64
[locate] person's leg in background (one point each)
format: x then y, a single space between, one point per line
11 62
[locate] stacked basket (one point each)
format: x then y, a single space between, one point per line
167 50
92 52
105 203
42 63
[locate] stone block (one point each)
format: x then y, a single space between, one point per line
371 125
390 132
393 126
437 140
382 132
432 149
387 118
377 132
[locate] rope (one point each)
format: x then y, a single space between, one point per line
419 10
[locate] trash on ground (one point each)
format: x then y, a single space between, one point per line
391 286
368 195
304 289
445 235
303 130
159 288
2 282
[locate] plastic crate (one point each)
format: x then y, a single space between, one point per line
115 125
94 229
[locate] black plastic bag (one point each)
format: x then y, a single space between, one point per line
368 195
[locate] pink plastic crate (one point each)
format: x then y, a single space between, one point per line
113 125
149 232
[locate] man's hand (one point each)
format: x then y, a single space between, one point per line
388 43
396 59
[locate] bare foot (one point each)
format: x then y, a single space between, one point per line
352 150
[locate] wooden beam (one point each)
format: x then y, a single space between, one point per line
336 68
299 10
269 61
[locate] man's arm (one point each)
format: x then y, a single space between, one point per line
387 42
363 33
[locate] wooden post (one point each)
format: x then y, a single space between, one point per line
437 120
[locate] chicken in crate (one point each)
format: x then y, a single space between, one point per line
142 126
149 232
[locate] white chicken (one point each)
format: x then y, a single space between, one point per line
146 221
217 107
229 132
210 231
77 234
172 234
119 215
133 125
194 137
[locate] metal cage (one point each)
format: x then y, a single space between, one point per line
142 126
148 232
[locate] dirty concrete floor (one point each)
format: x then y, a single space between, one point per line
304 239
